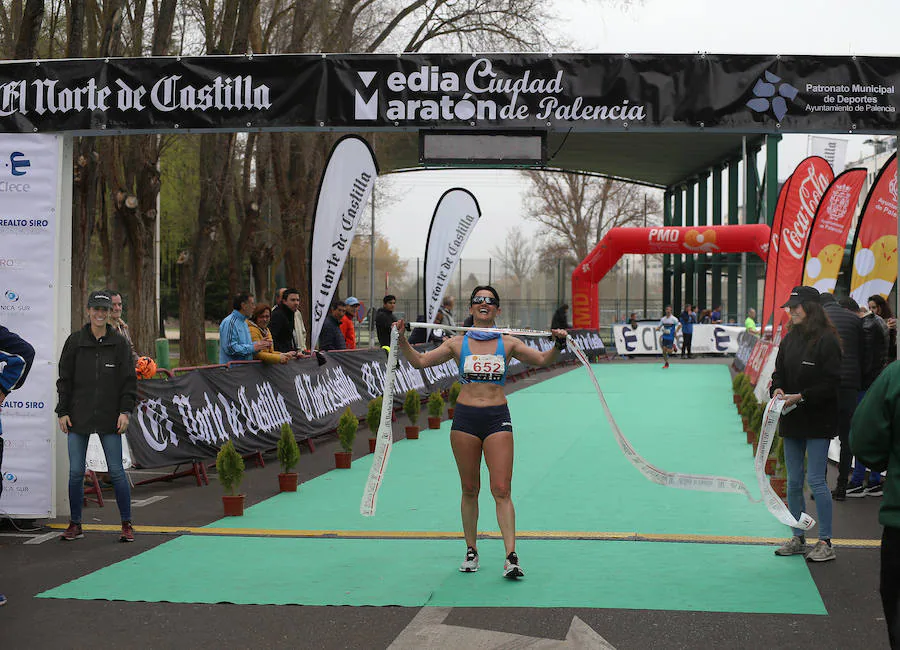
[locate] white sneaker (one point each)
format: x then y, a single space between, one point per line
511 568
470 564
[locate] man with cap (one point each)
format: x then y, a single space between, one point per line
351 304
850 331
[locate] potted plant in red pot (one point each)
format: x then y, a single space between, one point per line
346 430
230 470
288 457
373 420
411 406
452 396
435 409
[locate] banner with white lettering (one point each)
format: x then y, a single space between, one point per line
346 184
191 416
808 184
455 217
739 92
708 339
29 177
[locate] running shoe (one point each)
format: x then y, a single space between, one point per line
821 552
72 533
127 532
511 568
470 564
855 490
794 546
2 600
876 490
665 366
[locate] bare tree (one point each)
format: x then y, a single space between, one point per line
576 210
368 26
517 254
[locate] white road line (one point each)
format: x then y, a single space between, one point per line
44 538
140 503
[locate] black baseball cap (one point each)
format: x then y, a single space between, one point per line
99 299
801 294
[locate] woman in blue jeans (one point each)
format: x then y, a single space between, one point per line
807 377
97 386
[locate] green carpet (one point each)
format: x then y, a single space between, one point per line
569 476
569 473
413 573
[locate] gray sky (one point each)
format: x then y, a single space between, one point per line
867 27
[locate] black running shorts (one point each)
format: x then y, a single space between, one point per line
481 421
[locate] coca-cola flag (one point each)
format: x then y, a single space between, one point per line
809 182
455 216
346 184
772 266
875 249
825 250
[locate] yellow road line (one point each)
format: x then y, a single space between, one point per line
406 534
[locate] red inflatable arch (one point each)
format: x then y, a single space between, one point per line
672 240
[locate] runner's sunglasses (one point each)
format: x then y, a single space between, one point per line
487 300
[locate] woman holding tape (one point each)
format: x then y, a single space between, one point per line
481 422
807 376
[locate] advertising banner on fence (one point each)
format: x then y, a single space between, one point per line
746 343
29 169
346 184
875 248
192 415
744 93
808 184
757 360
708 339
825 250
455 217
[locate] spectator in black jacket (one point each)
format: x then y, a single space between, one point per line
808 377
281 325
384 319
332 338
97 387
880 306
849 329
876 339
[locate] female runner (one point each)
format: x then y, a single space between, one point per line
481 422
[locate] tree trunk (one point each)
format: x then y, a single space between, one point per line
215 160
30 29
84 191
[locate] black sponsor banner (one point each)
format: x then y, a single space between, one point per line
749 93
746 343
191 416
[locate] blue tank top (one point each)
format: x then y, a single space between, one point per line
482 368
